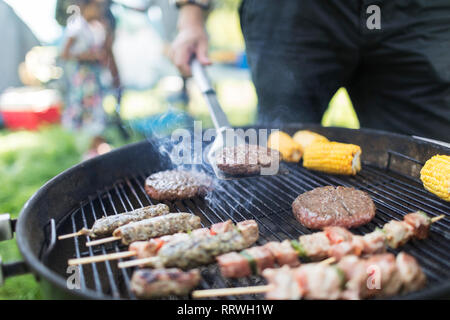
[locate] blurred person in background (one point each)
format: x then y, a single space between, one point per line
87 50
392 56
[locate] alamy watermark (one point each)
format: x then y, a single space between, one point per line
373 21
188 146
73 280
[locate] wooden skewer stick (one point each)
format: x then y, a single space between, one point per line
209 293
328 261
101 258
101 241
137 262
230 291
81 232
433 220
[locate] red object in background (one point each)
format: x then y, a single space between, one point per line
29 108
31 120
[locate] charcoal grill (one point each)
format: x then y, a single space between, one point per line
113 183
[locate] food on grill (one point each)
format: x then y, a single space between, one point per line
415 225
333 157
420 222
284 253
333 242
145 249
200 251
177 185
397 233
158 226
306 138
435 176
149 283
412 276
351 278
313 246
290 150
254 260
246 159
333 206
106 225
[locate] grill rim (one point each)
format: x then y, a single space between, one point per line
24 233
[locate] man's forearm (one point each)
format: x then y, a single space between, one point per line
191 16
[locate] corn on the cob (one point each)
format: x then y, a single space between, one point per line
435 176
333 157
305 138
290 150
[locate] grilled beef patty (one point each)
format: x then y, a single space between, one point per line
246 159
333 206
177 185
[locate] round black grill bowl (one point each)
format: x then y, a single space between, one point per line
391 165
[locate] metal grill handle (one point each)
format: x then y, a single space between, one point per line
6 233
6 229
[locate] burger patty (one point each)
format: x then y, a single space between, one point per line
333 206
246 159
177 185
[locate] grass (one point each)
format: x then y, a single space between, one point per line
27 160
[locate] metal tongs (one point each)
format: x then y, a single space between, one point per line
224 132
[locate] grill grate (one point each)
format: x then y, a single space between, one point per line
267 200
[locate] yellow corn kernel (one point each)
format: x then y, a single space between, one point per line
435 176
333 157
305 138
290 150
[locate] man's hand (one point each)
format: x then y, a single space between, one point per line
191 39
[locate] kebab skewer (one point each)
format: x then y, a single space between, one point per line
106 225
154 227
153 283
194 251
145 249
380 275
335 242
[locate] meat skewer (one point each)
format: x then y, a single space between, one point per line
333 242
353 277
194 252
242 290
145 249
154 227
149 283
381 275
106 225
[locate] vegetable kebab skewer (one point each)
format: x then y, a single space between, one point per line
194 251
335 242
145 249
106 225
